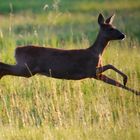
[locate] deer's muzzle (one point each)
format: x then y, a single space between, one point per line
122 36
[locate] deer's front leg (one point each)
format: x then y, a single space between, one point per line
115 83
101 69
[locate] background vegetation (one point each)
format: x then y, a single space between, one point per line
42 108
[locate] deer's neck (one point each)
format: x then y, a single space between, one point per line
99 45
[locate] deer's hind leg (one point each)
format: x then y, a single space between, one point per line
16 70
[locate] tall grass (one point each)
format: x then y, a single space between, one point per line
45 108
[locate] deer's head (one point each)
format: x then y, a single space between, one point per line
107 30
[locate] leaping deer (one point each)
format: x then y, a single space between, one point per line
69 64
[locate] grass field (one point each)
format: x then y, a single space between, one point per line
42 108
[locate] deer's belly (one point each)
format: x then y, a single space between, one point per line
74 69
69 74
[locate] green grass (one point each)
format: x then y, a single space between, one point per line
41 108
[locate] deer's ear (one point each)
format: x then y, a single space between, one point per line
100 19
110 19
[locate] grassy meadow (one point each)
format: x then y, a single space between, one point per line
42 108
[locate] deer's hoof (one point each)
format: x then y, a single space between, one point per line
125 80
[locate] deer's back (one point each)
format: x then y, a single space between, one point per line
36 53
